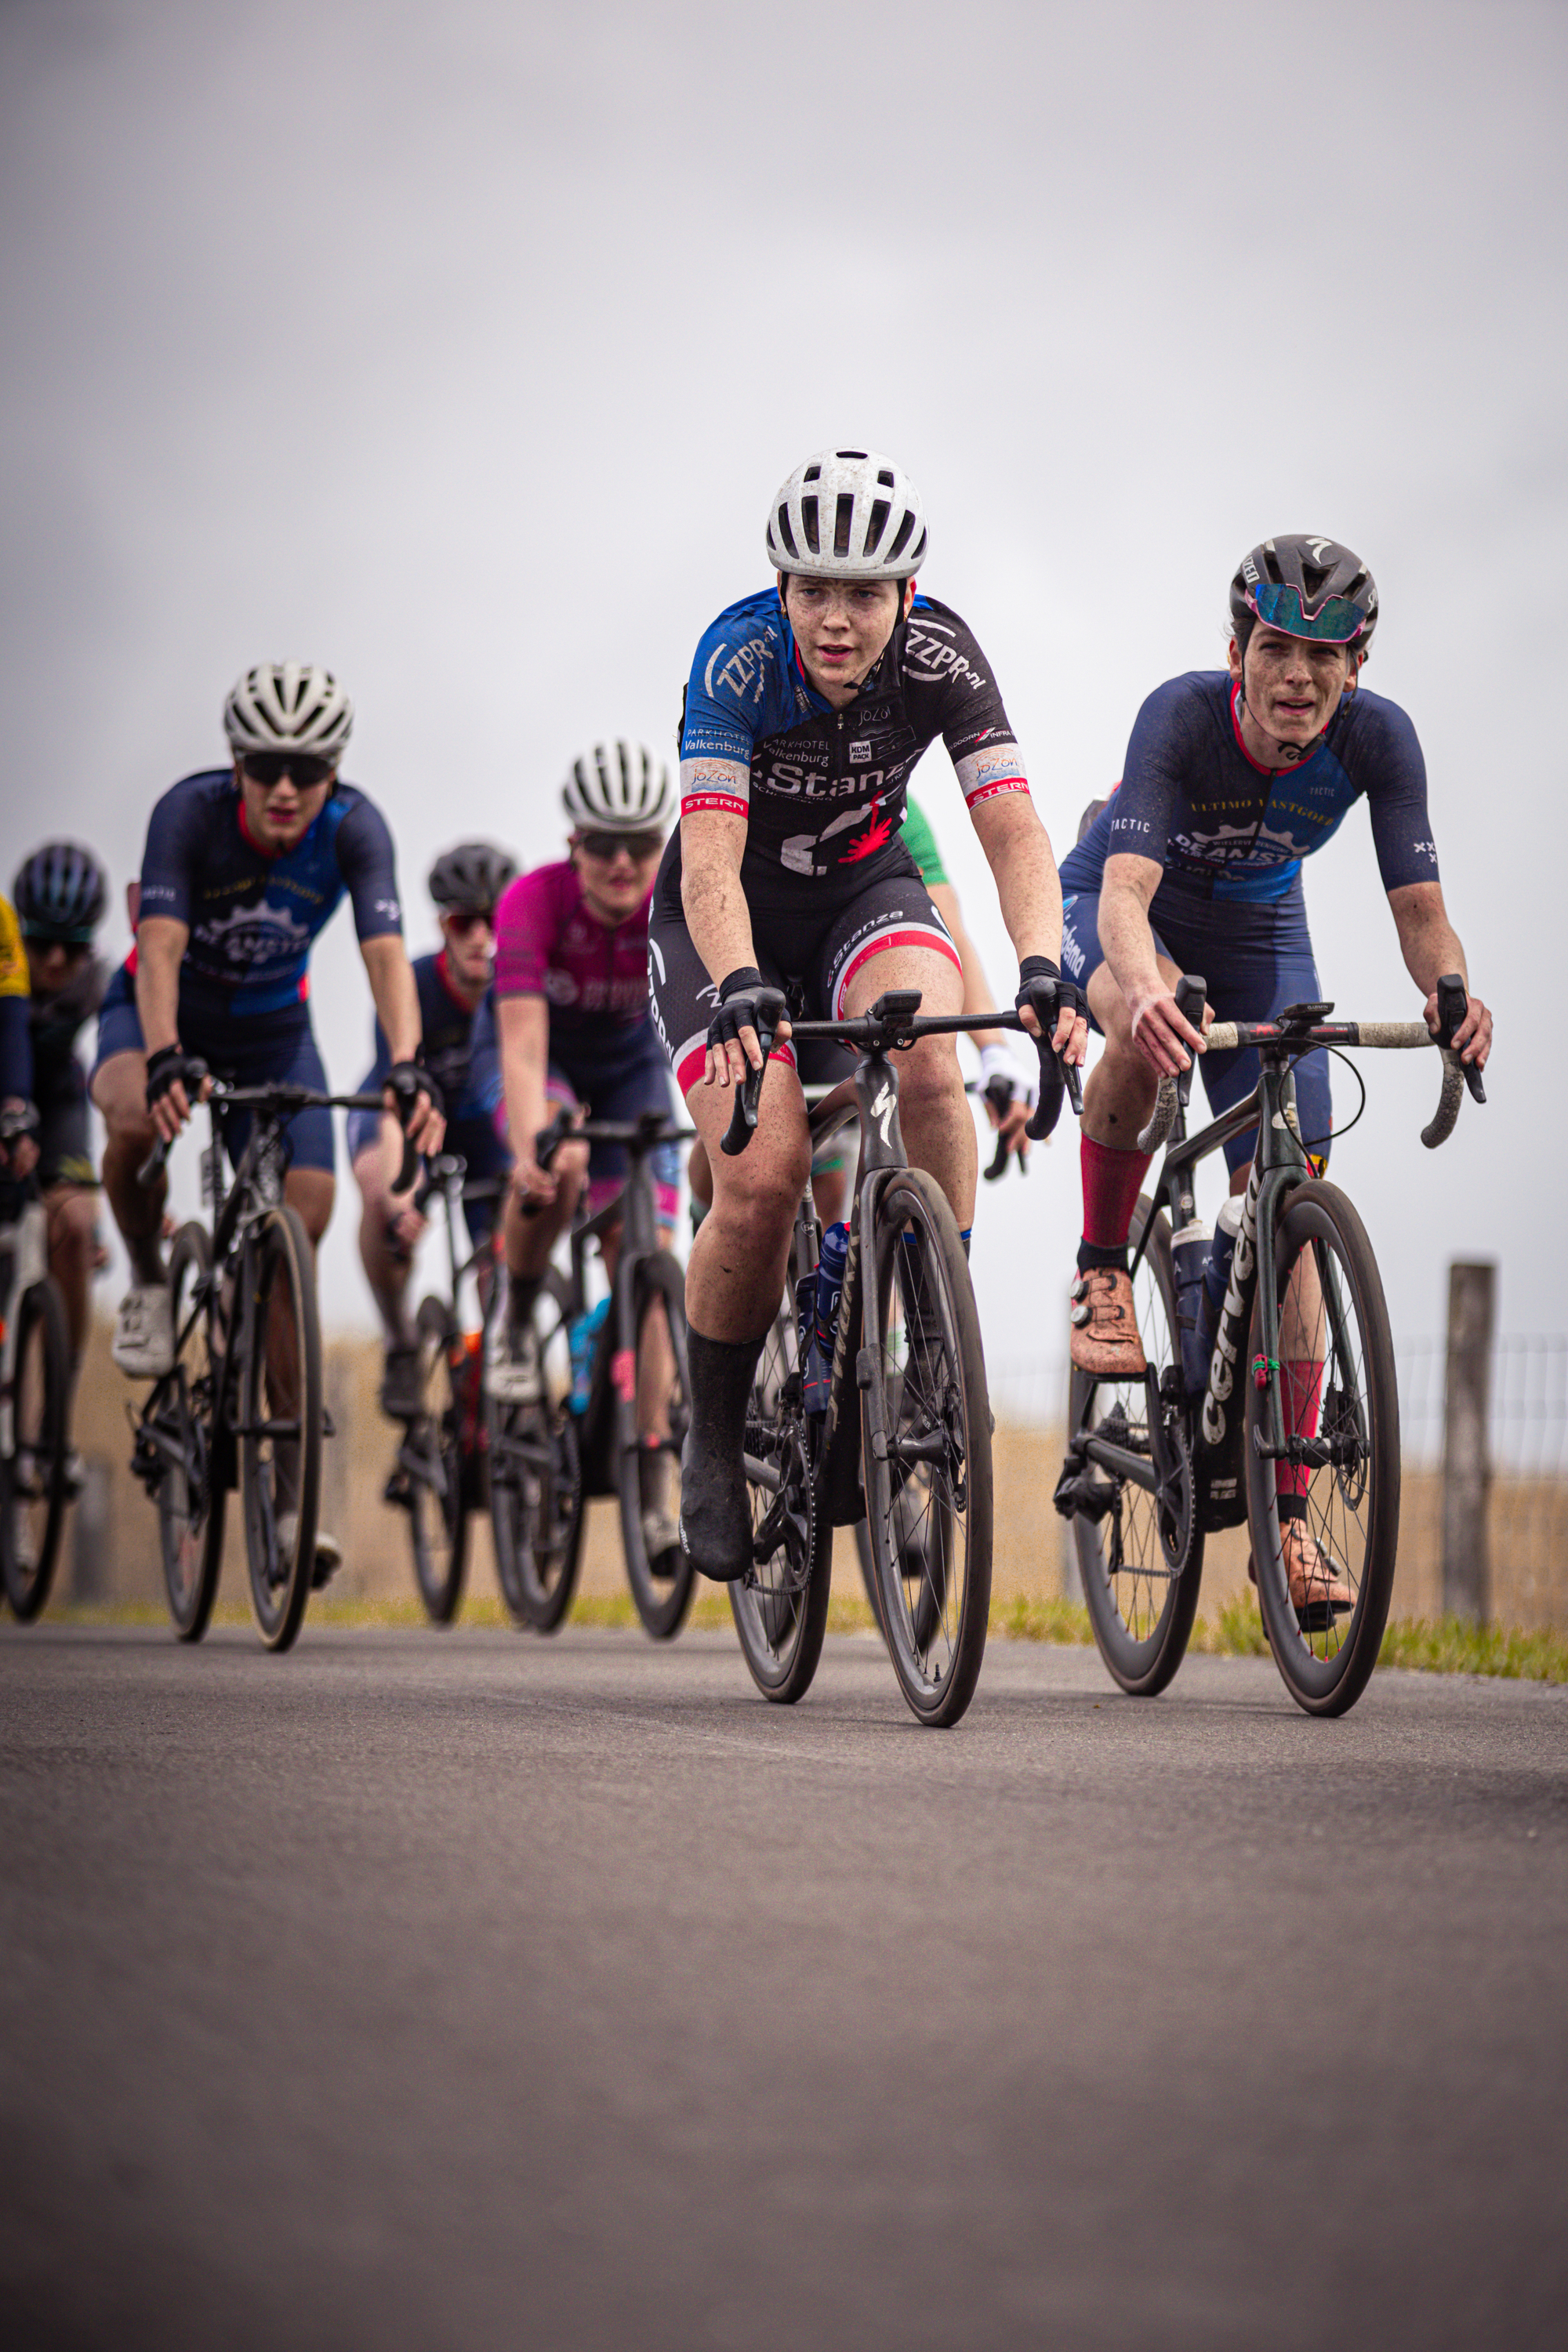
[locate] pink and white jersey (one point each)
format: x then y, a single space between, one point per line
549 945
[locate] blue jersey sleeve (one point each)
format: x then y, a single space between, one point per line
368 864
1381 753
171 861
1159 752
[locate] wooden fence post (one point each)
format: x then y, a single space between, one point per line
1467 1459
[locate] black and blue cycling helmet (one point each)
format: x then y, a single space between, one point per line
1305 586
59 893
471 877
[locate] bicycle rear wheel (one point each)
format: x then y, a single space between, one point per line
926 1451
536 1482
193 1490
280 1425
780 1606
1326 1654
434 1461
648 1476
32 1480
1141 1567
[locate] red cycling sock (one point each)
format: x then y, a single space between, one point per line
1110 1184
1300 1388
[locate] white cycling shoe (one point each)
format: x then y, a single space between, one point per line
328 1550
511 1364
144 1342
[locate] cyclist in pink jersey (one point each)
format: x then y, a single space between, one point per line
572 1008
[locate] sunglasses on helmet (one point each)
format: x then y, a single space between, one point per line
637 845
1335 623
307 768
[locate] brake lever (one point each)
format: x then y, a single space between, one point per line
152 1167
1453 1003
546 1144
748 1093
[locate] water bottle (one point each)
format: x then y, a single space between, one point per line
1217 1281
1189 1253
830 1287
582 1336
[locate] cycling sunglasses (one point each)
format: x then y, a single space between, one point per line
463 920
307 768
637 845
1335 623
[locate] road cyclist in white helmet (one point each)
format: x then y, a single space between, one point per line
571 1011
807 706
244 866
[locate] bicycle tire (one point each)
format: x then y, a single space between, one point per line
663 1595
1140 1614
278 1268
33 1495
438 1495
192 1499
933 1562
1352 1508
534 1457
780 1608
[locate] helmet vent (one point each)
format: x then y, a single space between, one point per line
785 532
902 538
811 474
844 523
880 510
808 524
862 454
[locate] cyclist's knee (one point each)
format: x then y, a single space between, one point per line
73 1224
311 1191
929 1073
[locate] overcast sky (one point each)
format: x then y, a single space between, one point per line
460 350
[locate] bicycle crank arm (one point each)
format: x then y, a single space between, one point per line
1136 1469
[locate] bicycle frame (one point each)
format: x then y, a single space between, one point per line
25 1242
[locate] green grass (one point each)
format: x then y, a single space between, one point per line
1449 1647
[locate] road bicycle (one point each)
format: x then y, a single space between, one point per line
243 1404
34 1392
439 1475
1291 1413
618 1427
896 1427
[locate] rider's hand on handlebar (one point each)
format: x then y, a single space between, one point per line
414 1100
732 1046
1010 1115
19 1152
1070 1035
1164 1039
1473 1037
170 1071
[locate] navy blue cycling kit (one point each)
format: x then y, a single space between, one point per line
253 916
461 1053
1231 837
827 879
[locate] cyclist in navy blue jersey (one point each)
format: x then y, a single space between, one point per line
807 708
456 1013
243 867
1232 779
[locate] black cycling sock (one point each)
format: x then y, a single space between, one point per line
521 1290
715 1504
1091 1254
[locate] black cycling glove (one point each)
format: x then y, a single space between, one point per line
1043 989
745 1001
409 1079
170 1066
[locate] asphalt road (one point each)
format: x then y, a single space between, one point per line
475 1989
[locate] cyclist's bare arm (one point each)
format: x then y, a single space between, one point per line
523 1025
160 951
396 995
1126 893
1430 946
978 998
712 844
1019 852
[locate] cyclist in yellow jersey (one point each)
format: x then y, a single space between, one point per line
18 1156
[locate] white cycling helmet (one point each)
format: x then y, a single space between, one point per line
851 513
618 788
288 707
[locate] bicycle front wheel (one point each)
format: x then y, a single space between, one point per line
780 1606
280 1425
926 1451
655 1386
33 1480
1140 1561
1324 1592
434 1461
193 1490
536 1482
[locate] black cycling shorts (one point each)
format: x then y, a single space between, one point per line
824 955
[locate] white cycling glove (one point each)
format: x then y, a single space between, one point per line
999 1061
